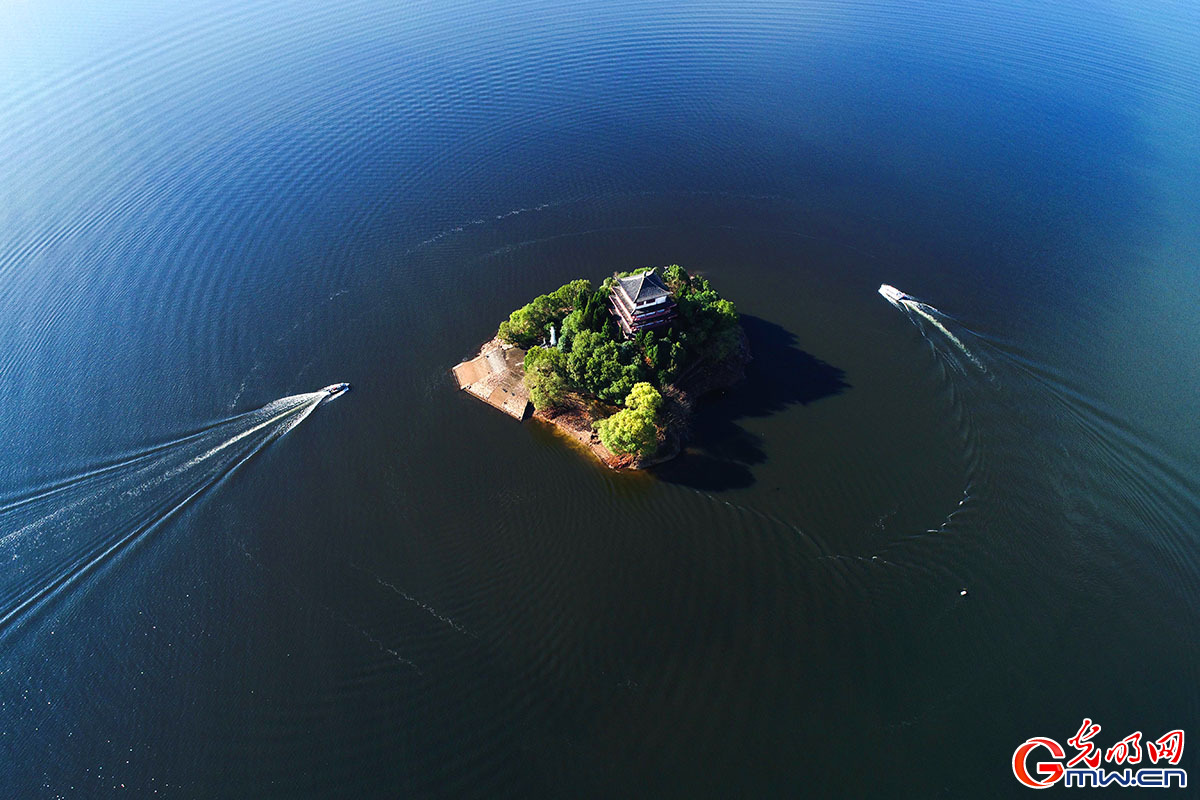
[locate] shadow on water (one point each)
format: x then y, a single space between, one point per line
721 452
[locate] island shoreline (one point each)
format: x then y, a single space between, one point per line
654 424
576 418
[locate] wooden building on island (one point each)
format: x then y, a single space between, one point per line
641 302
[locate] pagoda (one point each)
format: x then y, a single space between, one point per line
641 302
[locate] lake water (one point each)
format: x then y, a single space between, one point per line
206 211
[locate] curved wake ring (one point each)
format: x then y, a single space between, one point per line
51 539
907 303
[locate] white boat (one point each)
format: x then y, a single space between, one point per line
334 389
894 295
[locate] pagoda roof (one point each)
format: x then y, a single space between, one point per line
644 286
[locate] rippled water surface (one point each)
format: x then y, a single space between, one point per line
207 214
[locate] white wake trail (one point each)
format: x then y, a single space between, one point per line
920 309
53 537
907 302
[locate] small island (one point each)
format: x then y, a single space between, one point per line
617 368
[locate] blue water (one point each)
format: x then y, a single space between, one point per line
205 210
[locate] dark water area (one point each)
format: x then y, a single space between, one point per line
778 376
206 215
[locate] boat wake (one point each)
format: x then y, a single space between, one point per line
58 535
907 303
962 415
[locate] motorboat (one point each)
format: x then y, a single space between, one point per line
334 389
894 295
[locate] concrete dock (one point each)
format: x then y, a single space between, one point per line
496 376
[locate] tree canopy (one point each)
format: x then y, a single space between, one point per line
601 367
629 433
527 325
545 377
633 430
644 397
592 358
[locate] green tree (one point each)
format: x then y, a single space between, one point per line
545 377
595 365
678 357
676 277
629 432
526 326
654 355
572 325
633 431
644 397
